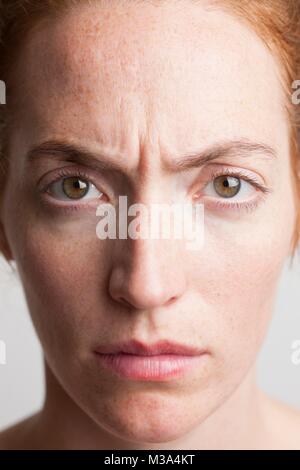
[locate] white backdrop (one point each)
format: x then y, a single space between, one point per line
22 381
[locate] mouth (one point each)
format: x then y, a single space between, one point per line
139 361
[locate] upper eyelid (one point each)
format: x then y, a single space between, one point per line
225 166
69 172
237 175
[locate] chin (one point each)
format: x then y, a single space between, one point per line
150 417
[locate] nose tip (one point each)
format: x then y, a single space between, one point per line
147 278
135 291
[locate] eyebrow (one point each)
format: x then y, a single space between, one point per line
226 149
65 151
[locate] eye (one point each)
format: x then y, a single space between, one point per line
229 186
73 188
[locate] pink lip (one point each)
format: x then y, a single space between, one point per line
140 348
135 360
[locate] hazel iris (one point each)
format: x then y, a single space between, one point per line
227 186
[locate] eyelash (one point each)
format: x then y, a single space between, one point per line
67 173
248 206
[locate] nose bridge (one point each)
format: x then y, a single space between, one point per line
148 276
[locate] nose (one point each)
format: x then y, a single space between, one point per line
148 275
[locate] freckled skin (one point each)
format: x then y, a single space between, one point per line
148 83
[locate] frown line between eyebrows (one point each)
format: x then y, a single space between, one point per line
65 151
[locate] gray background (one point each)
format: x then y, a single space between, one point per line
2 92
21 379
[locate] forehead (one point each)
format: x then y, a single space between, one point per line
108 73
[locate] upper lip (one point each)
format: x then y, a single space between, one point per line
139 348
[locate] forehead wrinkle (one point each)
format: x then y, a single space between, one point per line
75 62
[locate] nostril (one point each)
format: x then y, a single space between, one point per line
124 301
171 300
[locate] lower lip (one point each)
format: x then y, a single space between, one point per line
157 367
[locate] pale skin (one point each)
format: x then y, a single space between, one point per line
142 86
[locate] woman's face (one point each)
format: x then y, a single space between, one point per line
139 88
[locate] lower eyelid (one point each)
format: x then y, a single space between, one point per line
70 207
223 204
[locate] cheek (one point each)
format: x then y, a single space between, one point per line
63 271
235 277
